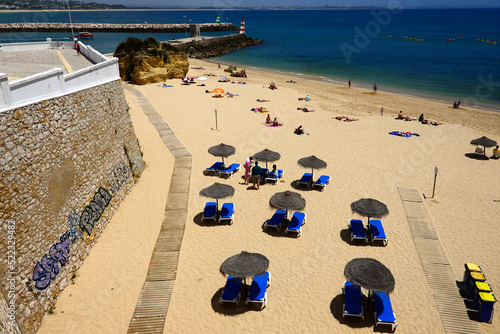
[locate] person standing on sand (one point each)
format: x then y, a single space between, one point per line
382 111
349 83
218 66
256 175
375 88
248 166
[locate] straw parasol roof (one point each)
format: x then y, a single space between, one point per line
287 200
245 264
312 162
370 274
369 207
483 141
267 156
222 150
218 191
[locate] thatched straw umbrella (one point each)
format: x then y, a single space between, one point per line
485 142
222 150
312 162
369 207
267 156
369 274
217 191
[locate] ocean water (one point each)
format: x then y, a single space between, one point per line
338 45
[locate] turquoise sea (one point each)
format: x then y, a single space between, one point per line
365 46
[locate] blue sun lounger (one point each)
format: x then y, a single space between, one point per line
274 177
384 315
227 213
258 289
230 170
295 225
214 168
322 182
276 219
352 300
306 179
376 231
210 211
357 230
231 293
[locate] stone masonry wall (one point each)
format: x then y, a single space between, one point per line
65 167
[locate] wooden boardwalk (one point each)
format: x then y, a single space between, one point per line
152 306
436 267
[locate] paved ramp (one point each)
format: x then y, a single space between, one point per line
152 306
436 267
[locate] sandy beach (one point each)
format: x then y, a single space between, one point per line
307 272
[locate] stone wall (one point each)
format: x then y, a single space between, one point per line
65 167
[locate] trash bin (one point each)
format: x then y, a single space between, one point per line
486 302
479 287
474 277
470 267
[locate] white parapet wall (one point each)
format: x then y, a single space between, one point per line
55 83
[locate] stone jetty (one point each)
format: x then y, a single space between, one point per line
108 27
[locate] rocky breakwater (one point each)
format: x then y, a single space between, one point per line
217 46
148 61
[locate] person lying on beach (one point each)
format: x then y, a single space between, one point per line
348 119
217 96
261 100
300 130
210 75
239 82
227 80
197 68
209 91
268 119
340 118
305 109
291 81
261 109
307 98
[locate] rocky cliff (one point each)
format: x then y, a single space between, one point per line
148 61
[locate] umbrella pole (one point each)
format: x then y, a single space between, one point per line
217 210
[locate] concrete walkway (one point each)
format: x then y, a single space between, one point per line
436 267
152 306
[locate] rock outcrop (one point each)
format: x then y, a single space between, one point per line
217 46
143 68
147 61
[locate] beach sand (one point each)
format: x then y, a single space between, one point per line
307 272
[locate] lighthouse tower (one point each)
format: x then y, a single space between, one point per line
242 26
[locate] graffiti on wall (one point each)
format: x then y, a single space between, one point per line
73 220
117 177
48 267
92 212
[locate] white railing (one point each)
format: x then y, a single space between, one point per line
55 83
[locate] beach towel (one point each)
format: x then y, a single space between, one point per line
258 110
164 86
403 134
272 126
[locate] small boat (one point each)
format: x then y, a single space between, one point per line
84 35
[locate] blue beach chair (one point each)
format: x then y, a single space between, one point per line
376 230
276 219
306 179
227 213
214 168
357 230
322 182
231 293
258 289
352 300
210 211
384 315
230 170
295 225
274 177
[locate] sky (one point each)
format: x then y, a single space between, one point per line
254 3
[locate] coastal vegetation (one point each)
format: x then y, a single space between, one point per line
55 5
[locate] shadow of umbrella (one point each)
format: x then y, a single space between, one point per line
312 162
369 207
267 156
485 142
217 191
370 274
222 150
